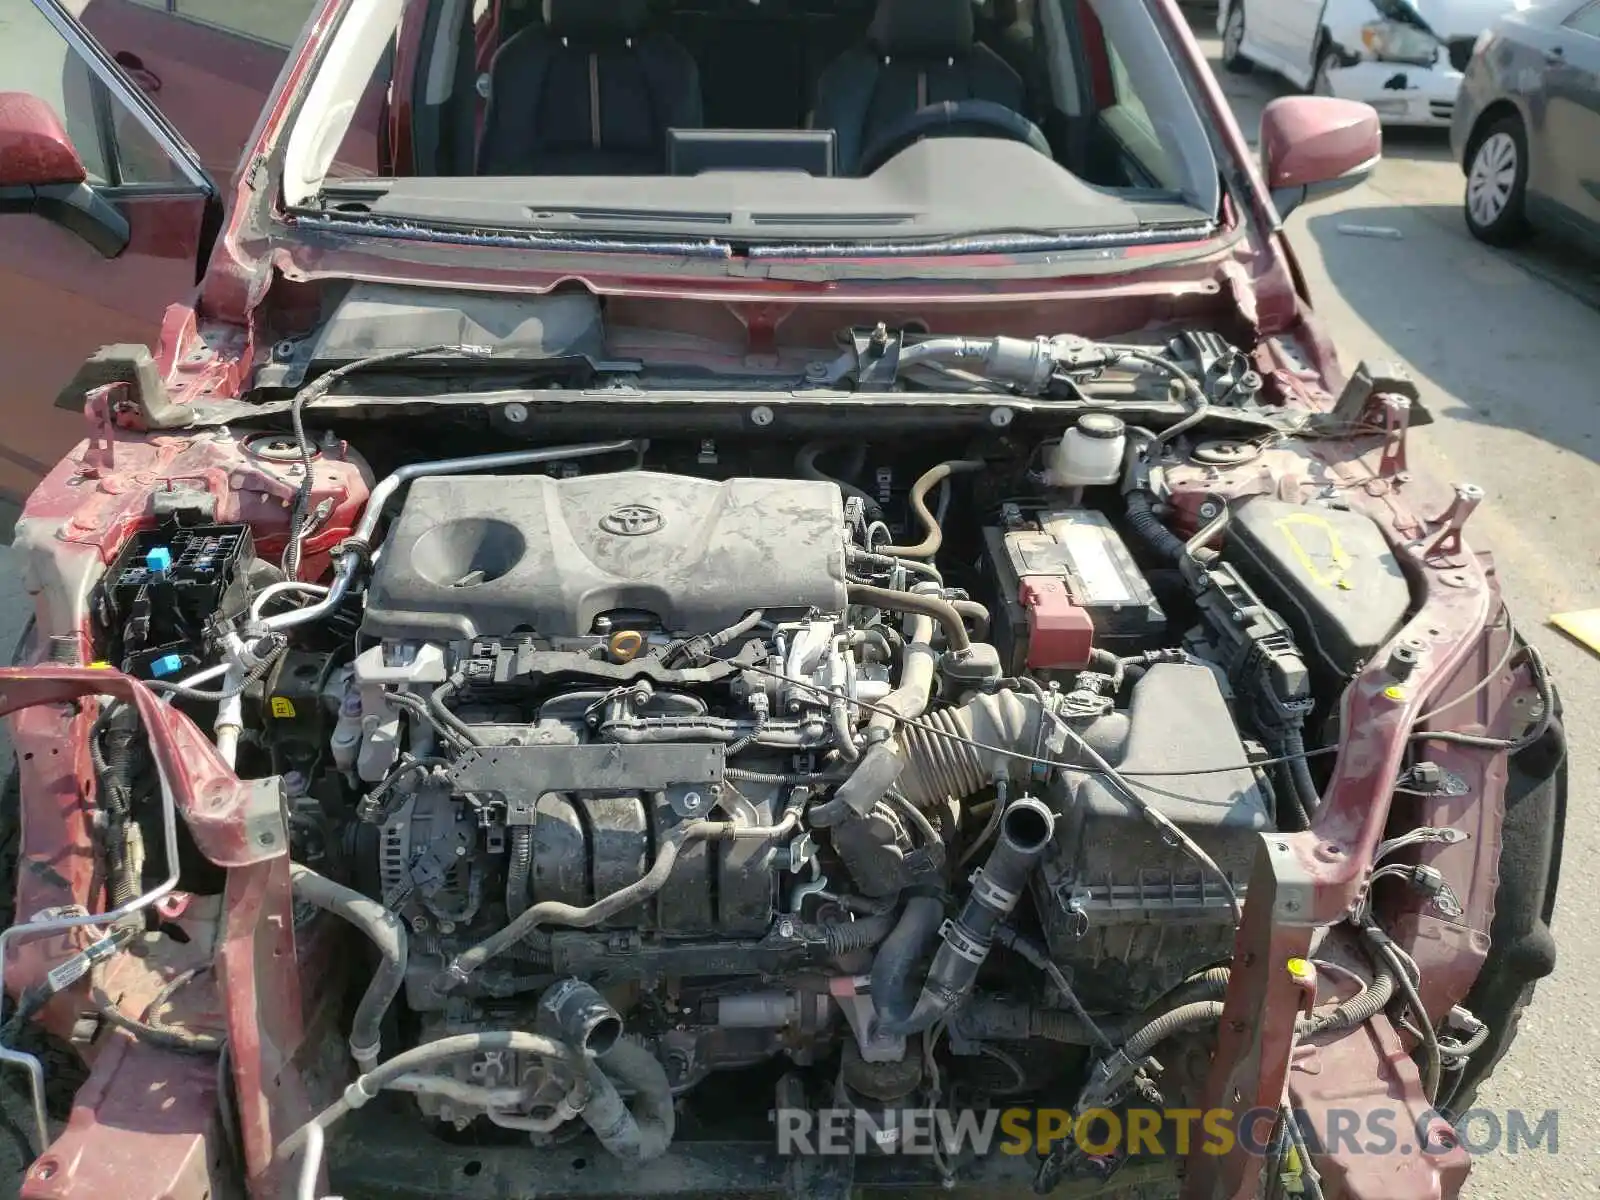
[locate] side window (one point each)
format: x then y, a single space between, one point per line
116 148
273 22
1587 20
208 65
1122 84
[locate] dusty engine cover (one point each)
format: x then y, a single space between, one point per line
473 555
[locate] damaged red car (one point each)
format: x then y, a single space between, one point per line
701 589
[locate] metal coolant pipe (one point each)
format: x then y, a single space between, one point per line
1025 833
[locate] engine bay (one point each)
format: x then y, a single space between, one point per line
884 769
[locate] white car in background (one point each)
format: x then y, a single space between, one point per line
1403 57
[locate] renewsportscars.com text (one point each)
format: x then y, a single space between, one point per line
1173 1131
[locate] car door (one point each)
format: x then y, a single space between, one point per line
1572 117
208 65
88 263
1285 30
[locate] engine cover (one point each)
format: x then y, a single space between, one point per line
472 555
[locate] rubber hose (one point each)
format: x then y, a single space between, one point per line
942 611
897 957
1025 832
384 930
977 613
1180 1020
518 870
556 912
417 1058
929 545
641 1129
1142 516
844 936
806 464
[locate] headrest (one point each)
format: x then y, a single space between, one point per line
595 18
922 28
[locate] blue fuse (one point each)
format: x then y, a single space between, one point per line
159 560
167 664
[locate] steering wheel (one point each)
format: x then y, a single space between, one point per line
953 118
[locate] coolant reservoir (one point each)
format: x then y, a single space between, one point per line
1089 453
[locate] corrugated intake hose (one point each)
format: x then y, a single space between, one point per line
941 764
384 930
642 1128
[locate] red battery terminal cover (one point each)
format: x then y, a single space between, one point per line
1060 634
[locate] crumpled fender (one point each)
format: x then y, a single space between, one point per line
234 822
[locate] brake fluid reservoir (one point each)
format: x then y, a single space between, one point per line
1089 453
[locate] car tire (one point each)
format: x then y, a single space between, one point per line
64 1071
1233 58
1497 183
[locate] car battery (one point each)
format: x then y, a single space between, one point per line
1067 584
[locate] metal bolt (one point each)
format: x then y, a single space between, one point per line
786 928
419 924
761 414
1000 416
692 801
516 413
265 837
1209 509
284 350
447 926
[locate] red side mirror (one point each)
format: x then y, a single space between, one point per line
34 149
1317 145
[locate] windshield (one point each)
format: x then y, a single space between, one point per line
845 120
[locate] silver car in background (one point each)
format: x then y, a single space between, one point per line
1527 125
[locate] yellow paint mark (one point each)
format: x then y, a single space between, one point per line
282 706
99 666
1314 563
1581 626
1394 693
1300 970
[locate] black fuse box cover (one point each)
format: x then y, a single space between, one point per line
1328 572
147 614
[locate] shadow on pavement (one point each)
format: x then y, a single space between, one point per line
1433 292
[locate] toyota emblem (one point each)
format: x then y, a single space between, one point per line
632 520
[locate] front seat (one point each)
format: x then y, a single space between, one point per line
917 53
587 93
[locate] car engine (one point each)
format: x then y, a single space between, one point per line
943 772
